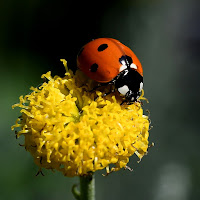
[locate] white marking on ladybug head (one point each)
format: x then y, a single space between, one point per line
123 62
141 86
133 66
123 67
123 90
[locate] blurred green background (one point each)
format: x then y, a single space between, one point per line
164 34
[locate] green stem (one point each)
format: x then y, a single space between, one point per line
87 187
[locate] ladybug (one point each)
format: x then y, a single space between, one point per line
107 60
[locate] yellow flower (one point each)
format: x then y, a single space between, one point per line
70 128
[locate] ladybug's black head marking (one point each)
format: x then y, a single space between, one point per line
94 67
126 60
102 47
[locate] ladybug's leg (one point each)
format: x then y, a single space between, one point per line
127 102
107 93
111 89
98 86
124 101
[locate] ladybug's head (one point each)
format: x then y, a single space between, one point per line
130 84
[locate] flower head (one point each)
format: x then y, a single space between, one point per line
71 128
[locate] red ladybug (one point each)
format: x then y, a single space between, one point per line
107 60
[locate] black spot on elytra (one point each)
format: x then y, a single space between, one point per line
81 50
126 59
102 47
94 67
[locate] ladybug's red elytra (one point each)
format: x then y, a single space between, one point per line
107 60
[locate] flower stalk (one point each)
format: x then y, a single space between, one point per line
87 188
